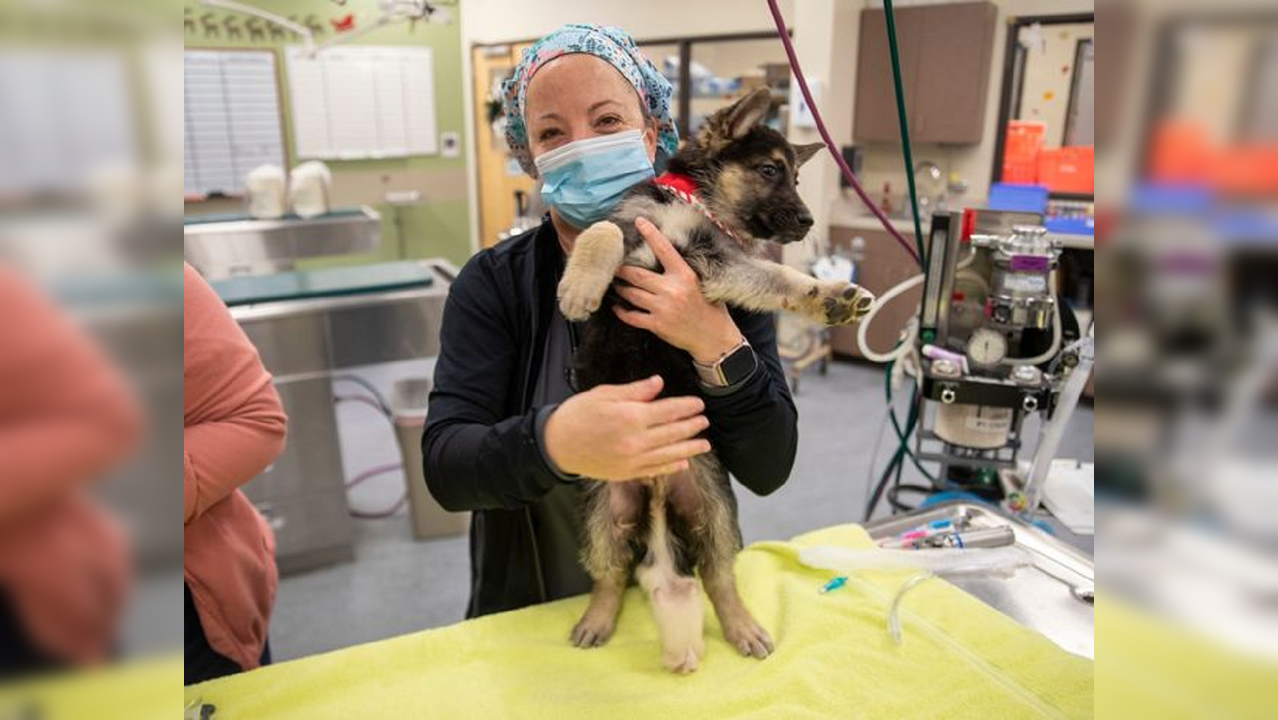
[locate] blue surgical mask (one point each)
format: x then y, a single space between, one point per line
584 180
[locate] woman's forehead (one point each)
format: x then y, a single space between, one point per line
576 82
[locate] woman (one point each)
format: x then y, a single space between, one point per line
66 418
233 427
506 438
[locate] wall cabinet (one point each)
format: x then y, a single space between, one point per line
946 52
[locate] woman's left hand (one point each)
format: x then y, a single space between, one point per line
671 305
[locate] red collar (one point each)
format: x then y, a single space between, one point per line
682 183
685 188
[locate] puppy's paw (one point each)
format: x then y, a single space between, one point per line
594 629
595 256
748 637
581 293
842 303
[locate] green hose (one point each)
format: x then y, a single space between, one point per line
903 436
905 128
894 52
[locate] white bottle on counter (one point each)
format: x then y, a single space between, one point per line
309 186
266 192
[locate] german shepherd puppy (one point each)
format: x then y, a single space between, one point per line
667 528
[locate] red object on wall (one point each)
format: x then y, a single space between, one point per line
969 225
345 24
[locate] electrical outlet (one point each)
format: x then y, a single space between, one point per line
450 144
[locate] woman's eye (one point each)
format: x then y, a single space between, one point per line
545 135
768 171
609 120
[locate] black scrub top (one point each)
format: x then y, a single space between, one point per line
557 518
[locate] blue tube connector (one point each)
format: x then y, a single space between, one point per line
834 584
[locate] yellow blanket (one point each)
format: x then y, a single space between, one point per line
833 659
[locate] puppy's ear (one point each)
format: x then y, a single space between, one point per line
804 153
733 122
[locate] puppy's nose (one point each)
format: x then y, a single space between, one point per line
805 218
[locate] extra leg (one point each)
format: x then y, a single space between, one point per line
673 592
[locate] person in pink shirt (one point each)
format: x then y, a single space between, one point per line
66 417
234 427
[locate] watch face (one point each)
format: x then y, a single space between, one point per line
738 366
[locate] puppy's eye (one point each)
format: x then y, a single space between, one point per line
768 171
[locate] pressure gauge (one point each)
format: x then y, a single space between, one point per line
986 348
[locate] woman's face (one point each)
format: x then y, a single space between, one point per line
580 96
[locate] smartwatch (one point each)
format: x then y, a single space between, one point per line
732 367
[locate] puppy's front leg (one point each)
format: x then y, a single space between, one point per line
594 261
756 284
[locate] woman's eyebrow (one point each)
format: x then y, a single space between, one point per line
601 103
592 108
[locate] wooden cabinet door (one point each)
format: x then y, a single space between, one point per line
885 265
945 52
497 185
875 118
956 44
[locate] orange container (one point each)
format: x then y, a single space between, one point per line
1068 169
1021 147
1024 140
1022 173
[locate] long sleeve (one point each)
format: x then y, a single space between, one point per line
475 456
66 416
755 427
234 425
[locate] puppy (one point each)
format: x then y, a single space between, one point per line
668 529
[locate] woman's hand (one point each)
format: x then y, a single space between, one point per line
620 432
671 305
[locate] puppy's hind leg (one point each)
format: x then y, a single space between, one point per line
718 540
594 260
740 628
600 619
612 511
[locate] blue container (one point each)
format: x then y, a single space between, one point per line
1071 225
1018 198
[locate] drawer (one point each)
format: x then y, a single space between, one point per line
310 532
311 463
885 266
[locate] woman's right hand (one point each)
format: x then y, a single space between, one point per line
621 432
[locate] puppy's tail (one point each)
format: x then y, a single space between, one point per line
675 598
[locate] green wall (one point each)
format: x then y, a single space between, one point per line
439 227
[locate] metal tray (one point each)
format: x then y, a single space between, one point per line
1054 597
